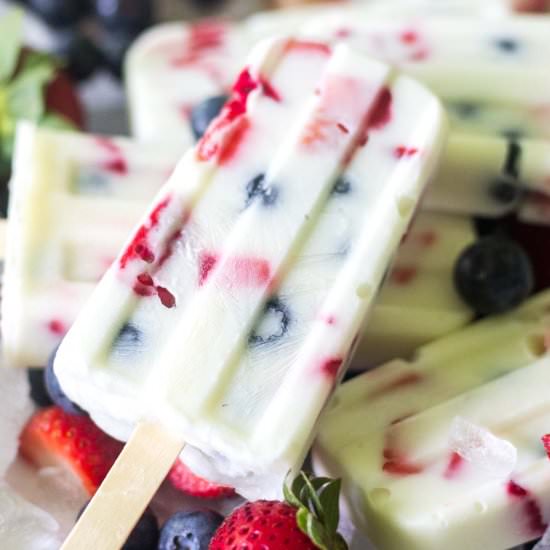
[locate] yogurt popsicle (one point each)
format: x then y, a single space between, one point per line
445 451
251 275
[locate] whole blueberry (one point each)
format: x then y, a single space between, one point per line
82 57
39 393
204 112
189 530
145 535
60 13
493 275
129 15
54 388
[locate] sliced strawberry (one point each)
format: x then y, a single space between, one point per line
53 437
546 443
183 479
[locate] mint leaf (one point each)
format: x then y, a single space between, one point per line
11 36
26 93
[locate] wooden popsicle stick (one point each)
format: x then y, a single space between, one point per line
126 491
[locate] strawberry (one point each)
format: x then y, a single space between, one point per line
183 479
54 437
308 520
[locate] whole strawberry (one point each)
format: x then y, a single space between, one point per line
308 520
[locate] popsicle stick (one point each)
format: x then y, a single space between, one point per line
126 491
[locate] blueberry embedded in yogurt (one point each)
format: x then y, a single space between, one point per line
273 325
257 189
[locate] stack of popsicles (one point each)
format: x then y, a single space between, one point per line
219 323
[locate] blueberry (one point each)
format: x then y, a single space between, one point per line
273 325
203 113
342 186
39 393
128 340
505 191
145 535
60 13
493 275
257 188
81 55
124 15
54 388
507 45
189 530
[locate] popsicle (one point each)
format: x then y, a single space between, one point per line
93 190
250 281
445 451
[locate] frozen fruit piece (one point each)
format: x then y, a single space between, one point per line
183 479
189 530
54 437
494 275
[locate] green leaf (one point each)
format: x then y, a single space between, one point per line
329 503
311 495
290 497
26 93
11 36
313 528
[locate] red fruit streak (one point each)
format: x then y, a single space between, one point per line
531 509
331 367
454 466
403 275
57 327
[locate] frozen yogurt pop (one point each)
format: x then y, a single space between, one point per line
251 275
445 451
